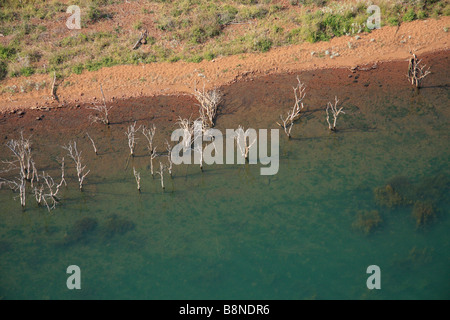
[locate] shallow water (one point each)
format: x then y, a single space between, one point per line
230 233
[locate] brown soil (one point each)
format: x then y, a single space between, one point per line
127 81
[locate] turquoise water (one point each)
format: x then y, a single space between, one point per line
229 233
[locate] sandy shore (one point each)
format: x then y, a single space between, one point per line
122 82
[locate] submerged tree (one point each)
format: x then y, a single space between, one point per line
416 73
162 168
287 122
102 115
137 176
149 134
335 111
131 135
75 155
21 150
243 143
208 102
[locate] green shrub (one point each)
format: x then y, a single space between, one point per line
26 71
174 59
263 45
422 15
210 55
78 69
410 15
3 69
393 21
95 14
195 59
58 58
7 53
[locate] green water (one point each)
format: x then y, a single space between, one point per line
229 233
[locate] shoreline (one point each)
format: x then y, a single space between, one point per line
131 81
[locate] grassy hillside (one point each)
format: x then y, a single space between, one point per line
35 38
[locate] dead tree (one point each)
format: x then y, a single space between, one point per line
18 184
21 150
75 155
47 192
335 112
149 134
102 115
169 158
188 126
208 102
39 193
137 176
287 122
93 143
416 73
199 150
244 144
162 168
131 135
34 174
142 40
50 196
54 96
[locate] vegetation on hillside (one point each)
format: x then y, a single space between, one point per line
36 40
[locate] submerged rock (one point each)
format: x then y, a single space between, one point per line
80 231
366 221
5 246
116 225
424 213
397 192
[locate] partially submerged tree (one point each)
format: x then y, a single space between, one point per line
131 135
169 158
287 122
208 102
102 115
243 143
162 168
21 150
188 126
335 111
416 73
93 143
137 176
75 155
49 195
149 134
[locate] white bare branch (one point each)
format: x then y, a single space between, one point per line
162 168
188 126
287 122
416 73
102 111
93 143
137 176
75 155
149 134
169 157
208 102
335 111
242 142
131 135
